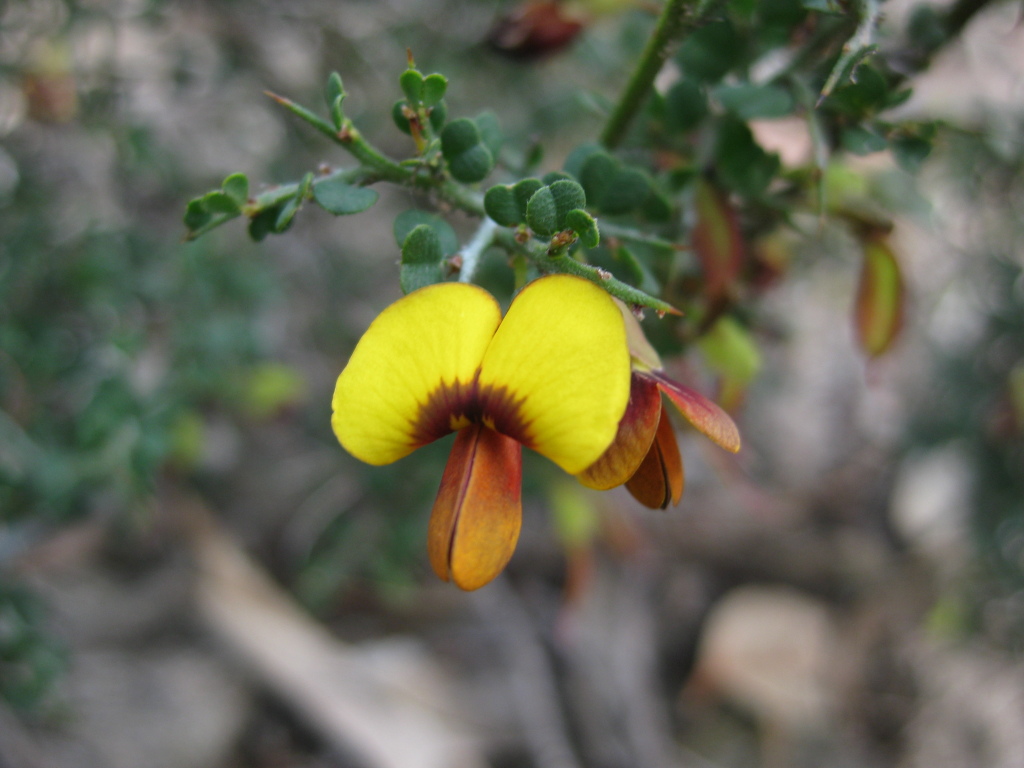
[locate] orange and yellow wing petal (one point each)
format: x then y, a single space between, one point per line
636 431
560 356
706 416
410 367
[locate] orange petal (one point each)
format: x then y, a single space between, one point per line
878 313
705 415
636 432
478 511
659 480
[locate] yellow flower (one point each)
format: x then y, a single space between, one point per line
644 454
553 375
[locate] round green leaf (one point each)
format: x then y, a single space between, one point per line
542 213
568 195
748 101
685 106
220 202
584 225
438 115
236 186
196 214
861 141
524 190
472 165
434 87
399 118
459 136
490 131
340 198
412 85
501 205
596 176
407 221
628 190
421 259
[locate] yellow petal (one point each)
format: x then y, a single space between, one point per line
636 432
476 518
659 480
560 356
705 415
411 372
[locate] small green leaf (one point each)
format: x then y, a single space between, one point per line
196 214
583 224
862 141
434 87
472 165
490 132
524 190
552 176
459 136
628 190
421 259
468 157
236 186
710 51
568 195
730 351
407 221
823 6
262 224
412 85
685 106
501 205
911 152
220 202
399 118
334 90
578 157
338 112
438 116
741 162
287 214
340 198
656 206
596 176
866 94
748 101
542 213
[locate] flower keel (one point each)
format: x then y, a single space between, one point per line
476 518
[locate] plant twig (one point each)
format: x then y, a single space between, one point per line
475 248
674 20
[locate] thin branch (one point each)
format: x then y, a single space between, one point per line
675 19
474 249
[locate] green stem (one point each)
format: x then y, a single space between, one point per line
548 264
675 19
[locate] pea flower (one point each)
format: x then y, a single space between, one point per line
553 375
644 454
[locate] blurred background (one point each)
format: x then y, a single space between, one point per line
193 572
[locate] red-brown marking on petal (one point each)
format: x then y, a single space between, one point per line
454 404
637 428
476 518
705 415
660 478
